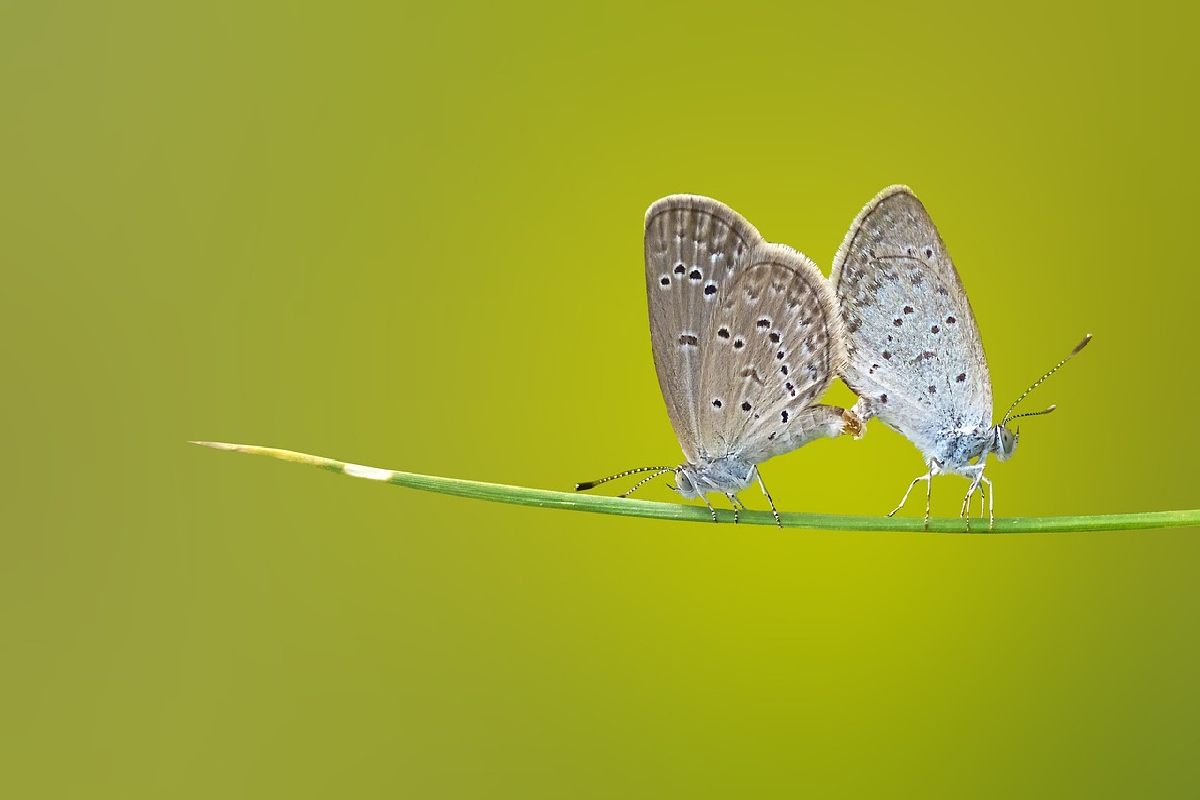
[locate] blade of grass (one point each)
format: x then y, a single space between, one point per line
598 504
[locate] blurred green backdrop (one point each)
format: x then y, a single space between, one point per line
409 235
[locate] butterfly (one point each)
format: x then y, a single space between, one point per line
746 338
914 355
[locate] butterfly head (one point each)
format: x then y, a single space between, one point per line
1004 442
685 482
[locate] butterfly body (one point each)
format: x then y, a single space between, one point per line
727 475
954 450
731 473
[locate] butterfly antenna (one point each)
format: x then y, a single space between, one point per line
644 481
583 487
1032 413
1009 415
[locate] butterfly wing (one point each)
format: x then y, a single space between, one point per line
913 349
694 246
772 350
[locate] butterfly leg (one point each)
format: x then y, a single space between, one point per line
758 475
976 480
733 501
966 503
928 494
711 510
991 496
927 477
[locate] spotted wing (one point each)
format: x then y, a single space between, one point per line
913 349
771 352
694 246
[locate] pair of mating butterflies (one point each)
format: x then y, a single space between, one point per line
748 335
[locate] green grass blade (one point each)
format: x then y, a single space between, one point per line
599 504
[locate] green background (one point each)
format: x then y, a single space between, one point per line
410 236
